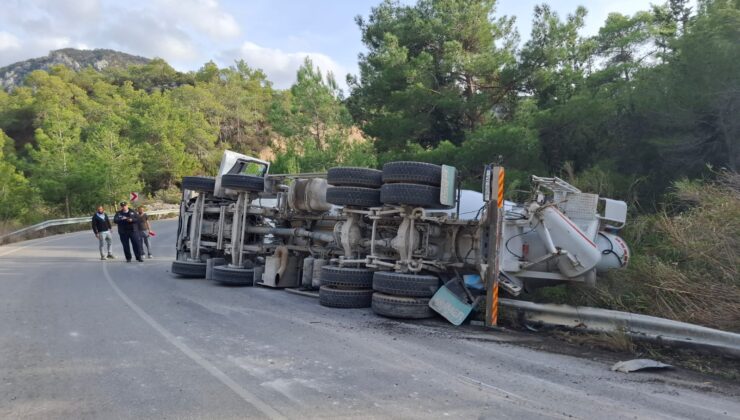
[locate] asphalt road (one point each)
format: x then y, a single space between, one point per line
83 338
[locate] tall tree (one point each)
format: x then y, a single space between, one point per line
693 103
556 60
245 96
315 111
59 124
433 71
623 41
18 198
315 126
111 166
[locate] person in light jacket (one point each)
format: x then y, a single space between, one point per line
101 228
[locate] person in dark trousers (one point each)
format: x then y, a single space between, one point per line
101 228
128 230
144 230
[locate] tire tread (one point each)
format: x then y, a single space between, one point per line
345 298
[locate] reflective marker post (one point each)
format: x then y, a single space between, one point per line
494 190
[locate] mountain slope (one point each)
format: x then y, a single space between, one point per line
13 74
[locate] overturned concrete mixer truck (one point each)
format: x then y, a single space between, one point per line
387 239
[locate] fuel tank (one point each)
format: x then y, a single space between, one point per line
308 195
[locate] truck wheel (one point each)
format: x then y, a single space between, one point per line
412 173
357 278
411 194
354 177
353 196
243 182
398 284
198 183
344 298
189 269
401 307
233 276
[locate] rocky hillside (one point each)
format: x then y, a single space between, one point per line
13 75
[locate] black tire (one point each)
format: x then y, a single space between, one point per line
412 285
354 177
243 182
198 183
411 195
356 278
233 276
344 298
401 307
189 269
353 196
412 173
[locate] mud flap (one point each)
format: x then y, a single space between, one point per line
453 301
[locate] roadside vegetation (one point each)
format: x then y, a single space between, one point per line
647 110
685 259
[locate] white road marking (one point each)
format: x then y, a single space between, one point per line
197 358
469 380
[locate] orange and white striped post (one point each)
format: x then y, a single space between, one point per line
498 172
494 223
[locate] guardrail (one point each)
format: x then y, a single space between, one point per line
638 326
75 220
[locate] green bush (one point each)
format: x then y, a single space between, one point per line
170 195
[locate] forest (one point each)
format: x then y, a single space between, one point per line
647 110
651 99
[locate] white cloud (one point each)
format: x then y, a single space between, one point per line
9 41
70 12
141 33
204 15
52 42
281 66
180 31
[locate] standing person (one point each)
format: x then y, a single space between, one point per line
144 229
101 227
128 231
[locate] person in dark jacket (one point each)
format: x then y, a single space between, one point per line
128 230
144 230
101 228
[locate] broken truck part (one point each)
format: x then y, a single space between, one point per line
391 238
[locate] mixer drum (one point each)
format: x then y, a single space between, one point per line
614 252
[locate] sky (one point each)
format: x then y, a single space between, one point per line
274 35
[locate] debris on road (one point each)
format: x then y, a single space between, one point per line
635 365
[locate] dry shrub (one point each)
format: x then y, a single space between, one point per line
685 260
172 195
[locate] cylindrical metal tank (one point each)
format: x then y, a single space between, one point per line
614 252
316 278
308 195
307 272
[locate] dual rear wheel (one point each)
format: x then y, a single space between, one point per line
399 183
